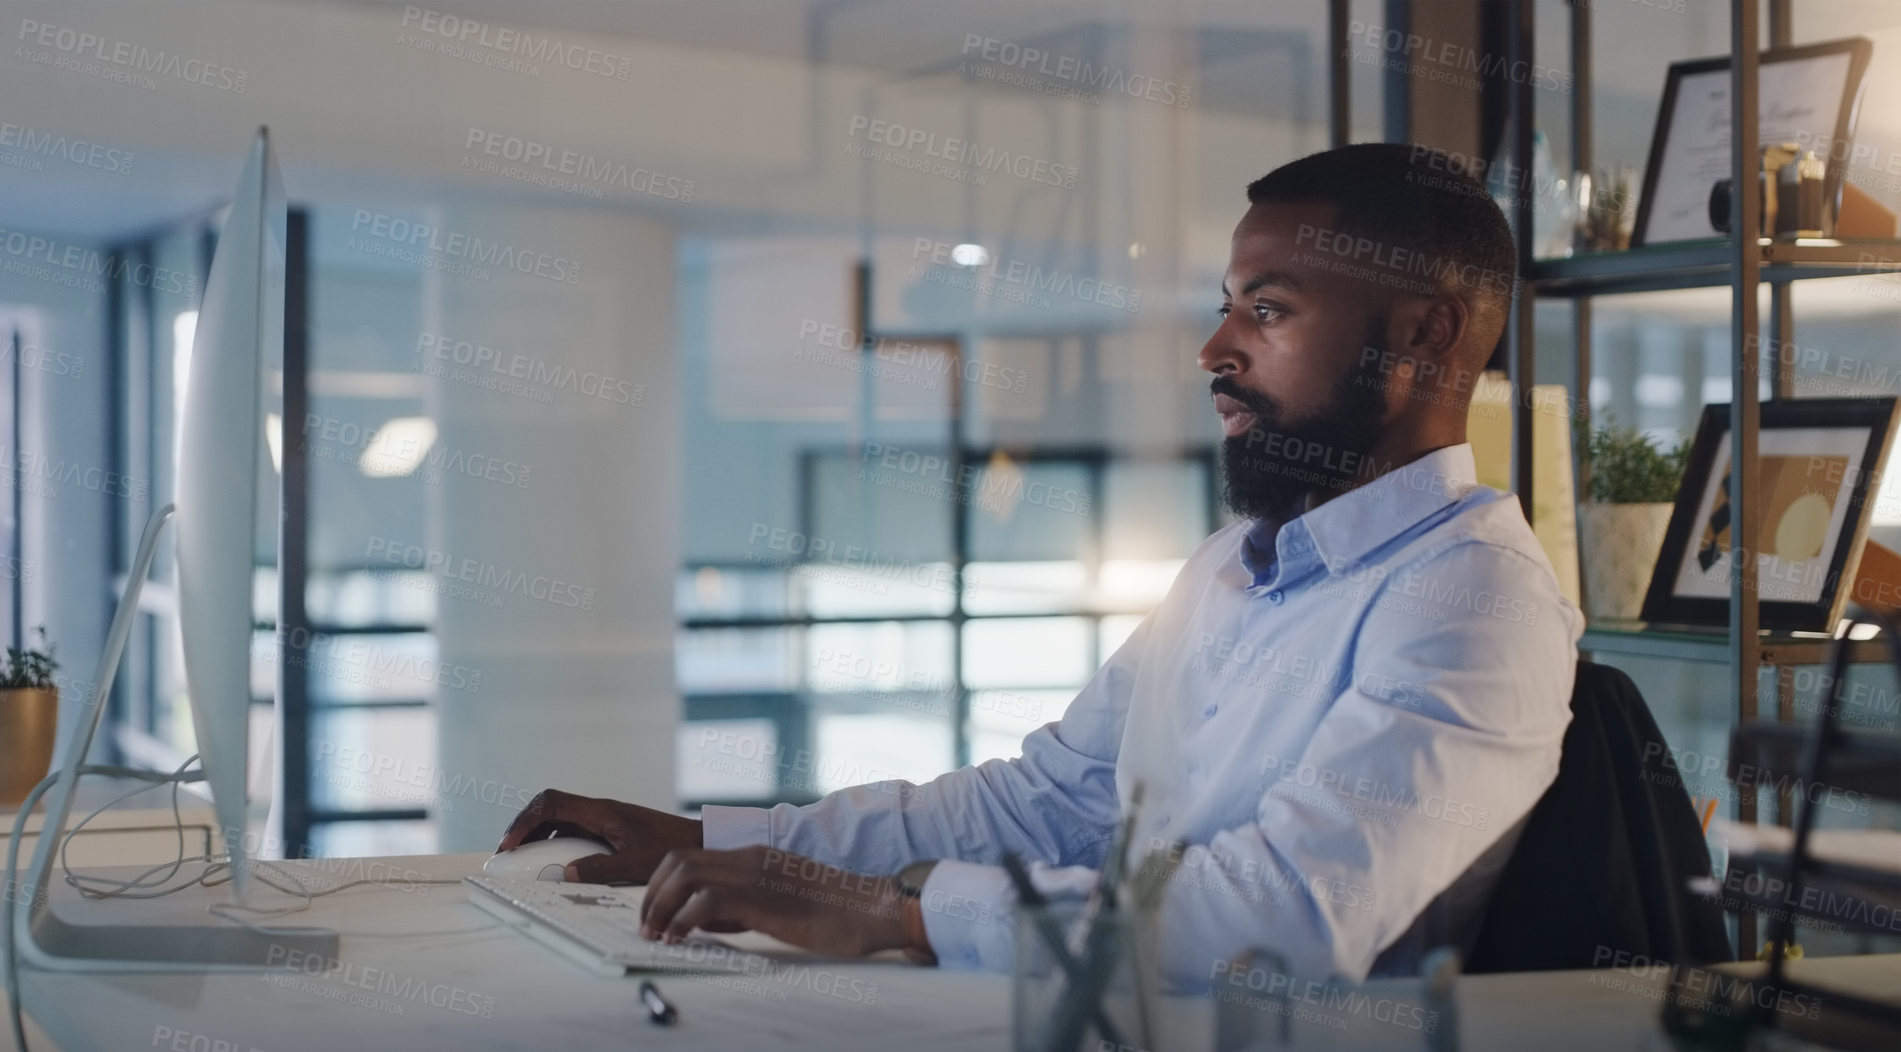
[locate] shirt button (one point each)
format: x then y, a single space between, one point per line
1274 597
1209 712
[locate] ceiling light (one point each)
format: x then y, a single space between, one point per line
398 447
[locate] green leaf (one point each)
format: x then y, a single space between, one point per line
1626 467
27 669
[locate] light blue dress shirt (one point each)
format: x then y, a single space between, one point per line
1347 719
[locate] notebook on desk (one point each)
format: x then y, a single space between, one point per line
598 927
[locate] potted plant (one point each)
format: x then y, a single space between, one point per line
29 715
1631 489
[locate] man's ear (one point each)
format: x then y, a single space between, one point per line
1430 328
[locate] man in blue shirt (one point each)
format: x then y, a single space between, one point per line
1345 707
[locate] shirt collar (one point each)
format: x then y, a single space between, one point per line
1352 526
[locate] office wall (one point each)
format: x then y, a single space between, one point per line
576 684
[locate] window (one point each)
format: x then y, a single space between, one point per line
367 656
151 326
938 605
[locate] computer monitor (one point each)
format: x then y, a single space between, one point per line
221 447
222 450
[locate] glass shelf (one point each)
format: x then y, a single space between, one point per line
1711 644
1704 263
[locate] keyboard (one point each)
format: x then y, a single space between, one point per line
598 927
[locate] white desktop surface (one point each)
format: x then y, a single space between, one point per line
542 1001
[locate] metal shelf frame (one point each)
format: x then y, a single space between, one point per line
1743 264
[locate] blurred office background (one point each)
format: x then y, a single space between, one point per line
690 418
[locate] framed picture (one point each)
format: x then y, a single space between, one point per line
1807 95
1820 461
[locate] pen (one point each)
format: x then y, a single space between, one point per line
659 1012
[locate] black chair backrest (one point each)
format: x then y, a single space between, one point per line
1602 867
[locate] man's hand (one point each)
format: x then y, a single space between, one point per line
786 896
640 836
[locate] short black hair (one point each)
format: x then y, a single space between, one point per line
1410 197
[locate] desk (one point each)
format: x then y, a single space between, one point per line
142 830
498 990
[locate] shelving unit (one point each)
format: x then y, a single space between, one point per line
1847 879
1744 265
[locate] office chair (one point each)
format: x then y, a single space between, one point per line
1603 865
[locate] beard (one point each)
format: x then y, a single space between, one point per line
1268 472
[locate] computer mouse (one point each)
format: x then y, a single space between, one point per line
542 859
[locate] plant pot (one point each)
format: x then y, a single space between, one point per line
1618 546
28 718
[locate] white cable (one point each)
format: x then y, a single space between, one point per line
216 872
217 867
13 901
177 779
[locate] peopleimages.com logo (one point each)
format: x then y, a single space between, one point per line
956 151
1019 280
408 241
481 573
922 360
539 377
507 48
41 359
121 60
76 266
539 160
35 145
1069 69
367 987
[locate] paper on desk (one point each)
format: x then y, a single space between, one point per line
1877 849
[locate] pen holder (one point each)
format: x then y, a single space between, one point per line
1103 997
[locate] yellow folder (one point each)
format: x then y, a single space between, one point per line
1553 504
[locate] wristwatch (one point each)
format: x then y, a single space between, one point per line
910 879
910 883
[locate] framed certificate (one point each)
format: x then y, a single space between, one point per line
1806 95
1819 468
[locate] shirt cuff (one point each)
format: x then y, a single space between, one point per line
725 828
967 916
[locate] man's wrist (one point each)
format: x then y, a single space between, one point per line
917 943
909 881
681 831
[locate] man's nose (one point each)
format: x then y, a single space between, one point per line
1220 355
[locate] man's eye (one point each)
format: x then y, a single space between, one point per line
1222 311
1266 313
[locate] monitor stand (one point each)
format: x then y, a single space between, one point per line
142 935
